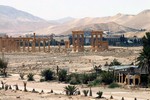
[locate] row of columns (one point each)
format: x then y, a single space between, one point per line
20 44
127 79
26 43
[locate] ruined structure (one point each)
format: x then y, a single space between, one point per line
22 44
78 41
97 43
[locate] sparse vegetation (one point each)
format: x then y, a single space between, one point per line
107 77
62 74
70 90
115 62
30 77
85 92
113 85
99 93
48 74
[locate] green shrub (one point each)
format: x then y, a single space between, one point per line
99 93
92 76
113 85
62 74
85 78
107 77
47 74
74 78
85 92
96 82
115 62
70 90
30 77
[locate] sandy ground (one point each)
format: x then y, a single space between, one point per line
58 88
73 62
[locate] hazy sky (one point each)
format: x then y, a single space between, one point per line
55 9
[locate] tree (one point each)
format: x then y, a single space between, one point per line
70 90
144 57
3 67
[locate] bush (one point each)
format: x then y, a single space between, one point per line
74 78
113 85
62 75
47 74
99 93
115 62
96 82
92 76
30 77
70 90
85 78
107 77
85 92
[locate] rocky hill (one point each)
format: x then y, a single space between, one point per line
13 20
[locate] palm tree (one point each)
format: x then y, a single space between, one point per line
70 90
144 57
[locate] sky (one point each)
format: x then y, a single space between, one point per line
56 9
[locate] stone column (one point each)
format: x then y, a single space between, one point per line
134 80
19 42
82 42
73 41
28 44
33 43
78 42
91 41
39 44
6 45
1 46
13 46
128 79
44 45
122 78
96 42
48 46
139 80
23 45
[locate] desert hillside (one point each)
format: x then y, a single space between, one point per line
141 20
13 20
